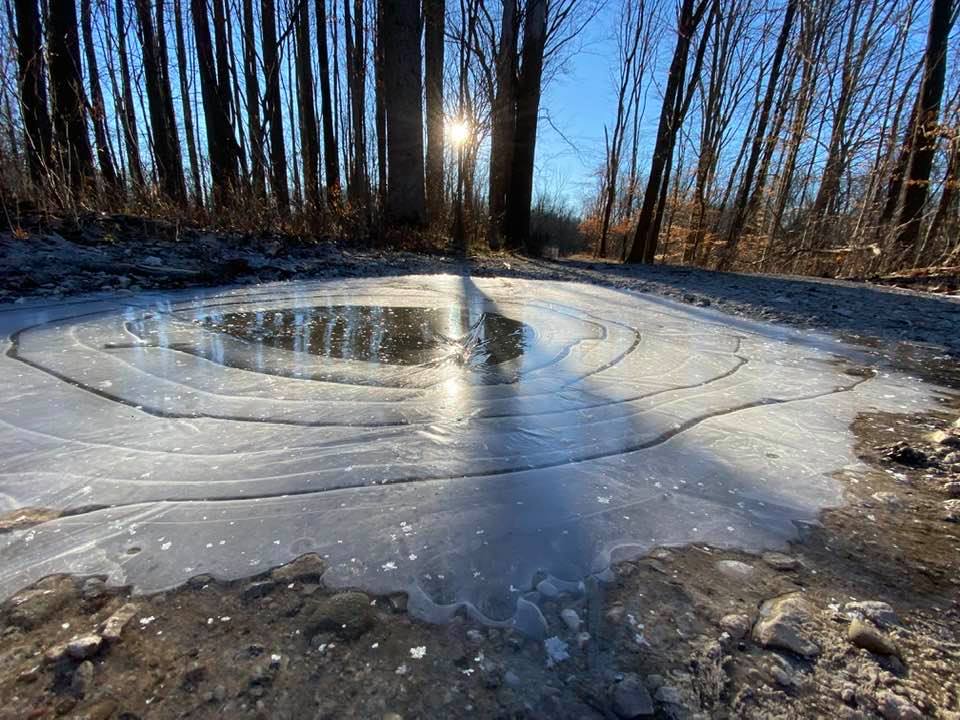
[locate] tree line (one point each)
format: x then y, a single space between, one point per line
815 136
805 135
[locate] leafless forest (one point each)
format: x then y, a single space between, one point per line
807 136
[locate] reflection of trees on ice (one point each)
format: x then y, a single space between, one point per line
232 432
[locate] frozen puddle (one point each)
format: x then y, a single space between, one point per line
456 438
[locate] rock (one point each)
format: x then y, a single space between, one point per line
631 699
348 615
82 682
668 694
512 679
258 589
85 646
195 674
93 588
781 562
736 625
869 638
307 568
55 653
952 489
152 261
113 626
100 710
782 625
557 651
570 617
547 589
894 707
877 612
903 454
29 675
33 607
398 602
475 636
946 437
951 510
848 694
735 569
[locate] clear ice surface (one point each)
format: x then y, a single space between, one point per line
456 438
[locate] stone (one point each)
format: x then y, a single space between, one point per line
737 626
631 699
894 707
952 489
783 625
113 626
29 675
258 589
33 607
734 569
781 562
55 653
102 709
348 615
951 510
869 638
891 500
195 674
152 261
903 454
475 636
93 588
879 613
398 602
305 569
570 617
669 695
84 646
82 681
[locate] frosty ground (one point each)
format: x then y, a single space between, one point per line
858 619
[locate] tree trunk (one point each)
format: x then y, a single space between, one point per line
273 109
166 146
68 103
187 109
927 125
503 118
309 145
221 143
742 202
128 110
403 86
33 89
379 79
360 187
252 86
435 17
648 224
331 161
107 170
520 195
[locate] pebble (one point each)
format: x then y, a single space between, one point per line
736 625
952 489
570 617
781 562
85 646
869 638
951 510
877 612
668 694
82 682
894 707
891 500
113 626
735 569
347 614
783 625
93 588
475 636
258 589
307 568
631 699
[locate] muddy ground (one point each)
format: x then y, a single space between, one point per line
859 619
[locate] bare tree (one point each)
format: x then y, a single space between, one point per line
33 89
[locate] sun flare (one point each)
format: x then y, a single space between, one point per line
458 132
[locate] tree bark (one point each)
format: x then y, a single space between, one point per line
331 160
435 16
927 126
273 108
403 90
309 145
107 169
252 87
520 195
166 147
33 89
380 119
185 104
503 118
68 102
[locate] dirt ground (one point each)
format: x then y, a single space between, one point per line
859 619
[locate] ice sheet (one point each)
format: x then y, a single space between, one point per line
452 437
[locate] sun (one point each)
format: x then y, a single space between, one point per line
458 131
